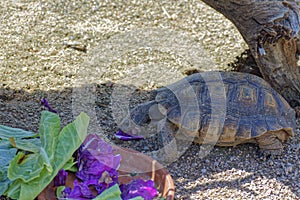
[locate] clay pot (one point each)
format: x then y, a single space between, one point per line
144 167
134 165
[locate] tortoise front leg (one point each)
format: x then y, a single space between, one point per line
168 153
270 144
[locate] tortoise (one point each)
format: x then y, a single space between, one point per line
217 108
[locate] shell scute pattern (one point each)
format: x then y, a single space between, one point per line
252 106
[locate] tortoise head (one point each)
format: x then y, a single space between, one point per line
142 116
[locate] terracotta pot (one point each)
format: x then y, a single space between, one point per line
134 165
146 168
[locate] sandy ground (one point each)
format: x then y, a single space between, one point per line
103 57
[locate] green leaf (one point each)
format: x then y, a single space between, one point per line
31 145
137 198
4 185
46 160
71 165
4 144
112 193
30 190
25 167
49 132
13 191
68 141
59 191
3 175
8 132
5 156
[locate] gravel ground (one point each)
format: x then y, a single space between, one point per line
103 57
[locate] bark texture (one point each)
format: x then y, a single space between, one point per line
271 29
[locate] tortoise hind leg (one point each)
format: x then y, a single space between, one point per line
271 143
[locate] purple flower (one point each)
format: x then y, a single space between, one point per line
97 168
137 188
126 136
61 178
45 103
80 191
97 163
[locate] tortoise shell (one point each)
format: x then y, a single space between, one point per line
243 106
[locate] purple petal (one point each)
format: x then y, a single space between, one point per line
80 191
97 163
61 178
96 156
66 192
103 186
93 141
45 103
137 188
126 136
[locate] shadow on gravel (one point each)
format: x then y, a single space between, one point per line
236 168
21 109
245 63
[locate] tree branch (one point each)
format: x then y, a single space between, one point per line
271 30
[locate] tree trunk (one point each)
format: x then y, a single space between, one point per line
271 29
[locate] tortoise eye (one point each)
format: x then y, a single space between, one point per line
140 118
148 120
140 114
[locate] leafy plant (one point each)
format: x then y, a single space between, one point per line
29 161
